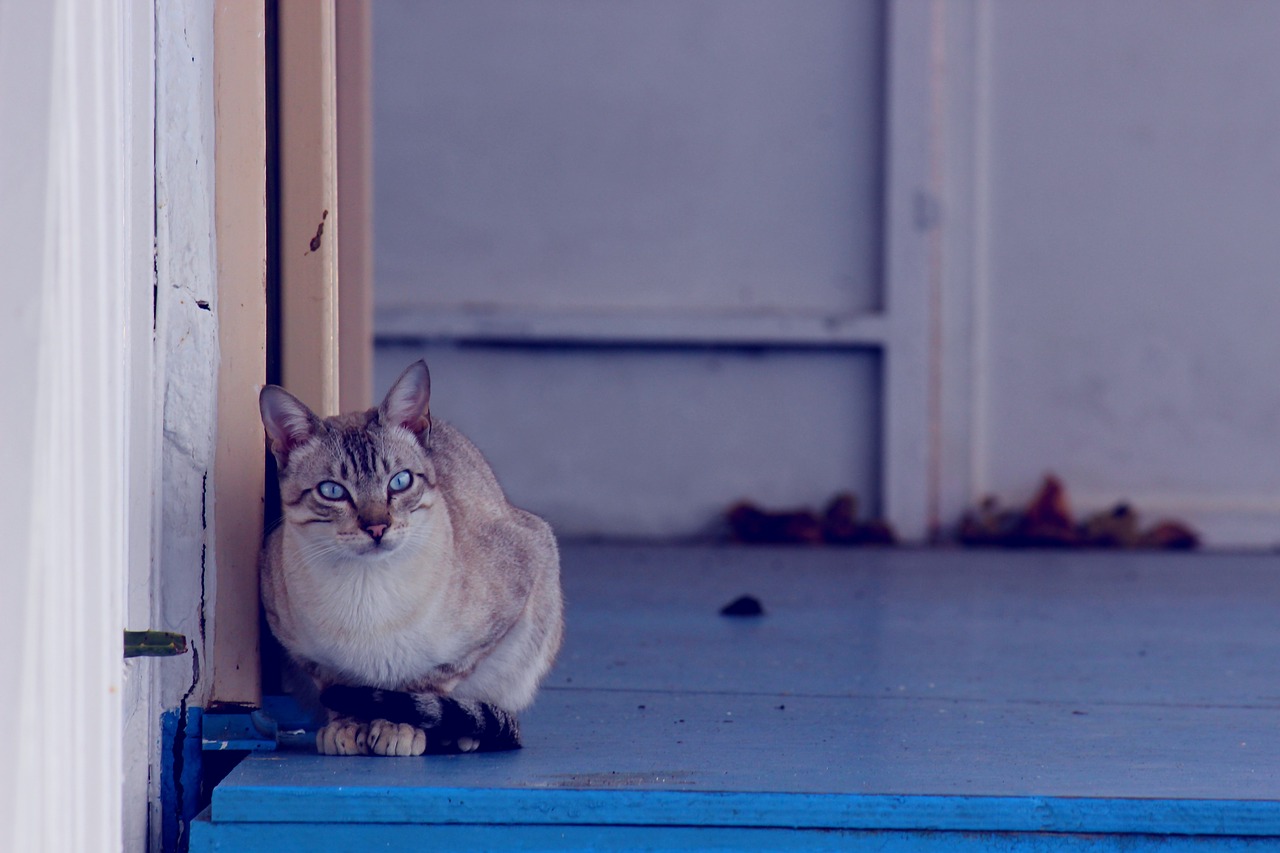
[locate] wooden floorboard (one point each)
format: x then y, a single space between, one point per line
1033 696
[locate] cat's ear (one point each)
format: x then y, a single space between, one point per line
288 421
407 403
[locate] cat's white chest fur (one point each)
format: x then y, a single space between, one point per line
383 621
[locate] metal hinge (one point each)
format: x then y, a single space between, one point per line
153 644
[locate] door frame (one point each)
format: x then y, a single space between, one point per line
324 264
77 228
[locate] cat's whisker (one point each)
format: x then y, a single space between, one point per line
321 550
273 527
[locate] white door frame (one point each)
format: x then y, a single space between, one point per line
75 165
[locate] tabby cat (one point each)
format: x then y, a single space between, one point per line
425 606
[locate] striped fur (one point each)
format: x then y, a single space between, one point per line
482 726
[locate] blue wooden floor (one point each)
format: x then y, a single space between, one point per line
897 700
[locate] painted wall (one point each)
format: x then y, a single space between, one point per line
187 313
1131 297
608 163
627 155
655 444
1102 175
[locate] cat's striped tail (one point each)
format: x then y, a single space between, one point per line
452 725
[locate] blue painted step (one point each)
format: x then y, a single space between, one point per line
921 700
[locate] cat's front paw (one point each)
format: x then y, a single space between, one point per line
343 737
396 739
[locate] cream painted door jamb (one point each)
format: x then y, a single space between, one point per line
309 202
326 347
241 221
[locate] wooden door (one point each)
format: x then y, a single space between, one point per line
642 246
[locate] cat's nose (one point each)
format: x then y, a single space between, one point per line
376 531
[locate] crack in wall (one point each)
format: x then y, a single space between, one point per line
182 730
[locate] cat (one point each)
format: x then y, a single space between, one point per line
425 607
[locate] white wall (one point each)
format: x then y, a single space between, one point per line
667 153
656 444
1082 197
186 370
607 168
1131 296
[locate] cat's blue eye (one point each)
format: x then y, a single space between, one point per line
400 481
331 490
